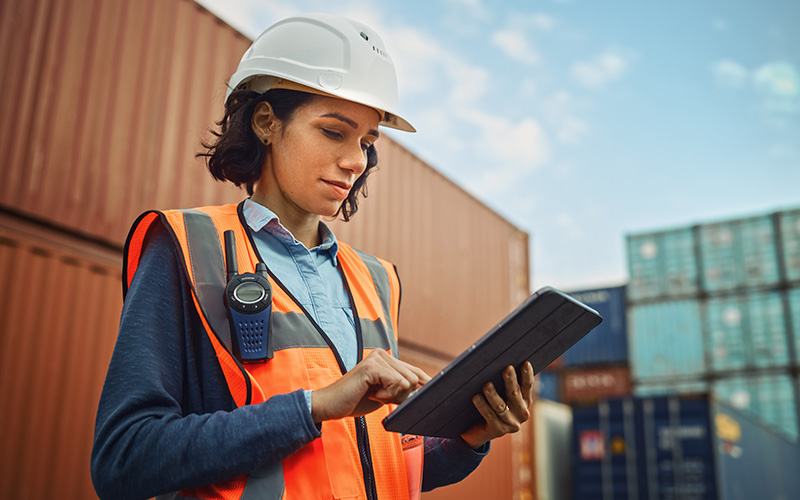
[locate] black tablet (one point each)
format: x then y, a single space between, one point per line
548 323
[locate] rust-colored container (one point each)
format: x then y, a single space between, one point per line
105 106
59 310
589 384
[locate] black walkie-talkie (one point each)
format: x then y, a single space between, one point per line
249 300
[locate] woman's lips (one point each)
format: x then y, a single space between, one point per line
342 189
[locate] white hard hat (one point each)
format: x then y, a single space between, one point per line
324 54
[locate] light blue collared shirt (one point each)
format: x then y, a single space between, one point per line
310 275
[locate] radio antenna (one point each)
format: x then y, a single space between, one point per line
231 266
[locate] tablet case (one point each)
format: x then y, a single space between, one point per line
544 326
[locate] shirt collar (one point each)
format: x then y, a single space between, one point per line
259 217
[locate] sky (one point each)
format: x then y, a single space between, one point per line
581 121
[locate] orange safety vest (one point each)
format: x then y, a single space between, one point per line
355 458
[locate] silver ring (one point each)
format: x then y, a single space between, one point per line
501 413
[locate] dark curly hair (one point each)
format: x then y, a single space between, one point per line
236 154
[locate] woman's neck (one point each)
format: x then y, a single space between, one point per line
303 225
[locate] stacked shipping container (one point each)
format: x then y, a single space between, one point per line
131 89
713 307
688 447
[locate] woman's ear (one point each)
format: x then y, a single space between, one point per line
264 122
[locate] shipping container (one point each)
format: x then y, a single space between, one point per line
793 297
608 342
747 330
739 253
662 264
59 311
131 89
587 385
768 396
666 340
689 447
552 443
790 234
547 385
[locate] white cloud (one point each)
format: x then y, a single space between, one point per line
475 8
515 45
560 112
730 73
778 84
512 149
603 69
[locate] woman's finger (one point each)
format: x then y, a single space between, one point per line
527 384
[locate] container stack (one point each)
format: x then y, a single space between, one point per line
716 307
597 366
688 446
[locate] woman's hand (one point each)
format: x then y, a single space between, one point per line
502 417
377 380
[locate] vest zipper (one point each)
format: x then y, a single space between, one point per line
366 458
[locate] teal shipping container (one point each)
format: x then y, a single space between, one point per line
769 397
662 264
739 253
671 448
666 341
747 331
794 311
790 233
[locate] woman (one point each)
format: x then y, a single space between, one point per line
180 415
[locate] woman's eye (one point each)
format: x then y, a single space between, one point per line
332 134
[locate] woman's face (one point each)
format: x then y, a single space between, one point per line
315 157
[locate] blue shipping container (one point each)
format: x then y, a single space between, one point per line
678 447
608 342
548 385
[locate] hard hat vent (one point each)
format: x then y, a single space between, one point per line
364 36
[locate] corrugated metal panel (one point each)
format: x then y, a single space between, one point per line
666 340
649 449
747 330
739 253
608 342
462 266
663 388
769 397
678 447
590 384
794 311
662 264
59 311
747 451
790 233
112 129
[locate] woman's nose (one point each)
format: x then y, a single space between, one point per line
354 158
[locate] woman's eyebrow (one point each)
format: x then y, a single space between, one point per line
350 122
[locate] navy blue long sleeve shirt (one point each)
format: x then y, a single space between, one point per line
166 420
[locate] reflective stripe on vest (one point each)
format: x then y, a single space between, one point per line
303 359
